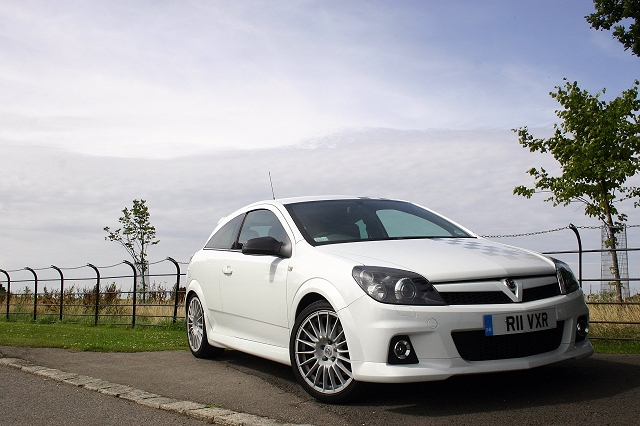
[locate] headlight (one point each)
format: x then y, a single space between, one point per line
566 279
396 286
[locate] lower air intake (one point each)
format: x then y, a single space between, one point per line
475 346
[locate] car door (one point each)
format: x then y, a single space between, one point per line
253 287
207 269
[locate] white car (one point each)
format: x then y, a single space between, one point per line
353 289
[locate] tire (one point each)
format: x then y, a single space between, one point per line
320 355
197 331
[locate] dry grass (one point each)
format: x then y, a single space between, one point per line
114 305
602 309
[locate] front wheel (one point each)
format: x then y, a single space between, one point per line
320 355
197 331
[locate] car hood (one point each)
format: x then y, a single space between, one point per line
445 259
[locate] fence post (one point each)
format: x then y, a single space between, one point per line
35 291
575 231
8 289
177 288
97 291
135 296
61 289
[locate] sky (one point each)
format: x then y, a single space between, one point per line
191 104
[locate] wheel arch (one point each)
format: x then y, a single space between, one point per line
321 289
194 289
312 290
307 300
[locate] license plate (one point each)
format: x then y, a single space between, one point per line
497 325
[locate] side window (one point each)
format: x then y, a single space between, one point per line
261 223
225 236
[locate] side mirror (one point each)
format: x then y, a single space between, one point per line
264 245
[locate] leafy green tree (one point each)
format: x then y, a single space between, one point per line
611 12
598 147
135 234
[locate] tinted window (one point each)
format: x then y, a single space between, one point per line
334 221
225 236
261 223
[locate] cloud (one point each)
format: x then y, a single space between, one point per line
153 80
54 203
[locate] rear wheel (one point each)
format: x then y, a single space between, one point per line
320 355
197 332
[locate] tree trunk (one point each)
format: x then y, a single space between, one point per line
142 270
615 269
612 241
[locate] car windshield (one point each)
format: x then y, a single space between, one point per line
339 221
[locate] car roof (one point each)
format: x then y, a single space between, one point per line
293 200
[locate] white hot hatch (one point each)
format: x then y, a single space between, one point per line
353 289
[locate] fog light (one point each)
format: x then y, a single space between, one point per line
402 349
582 328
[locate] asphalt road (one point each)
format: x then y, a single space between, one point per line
603 390
26 399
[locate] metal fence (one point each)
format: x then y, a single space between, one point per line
108 304
99 303
621 304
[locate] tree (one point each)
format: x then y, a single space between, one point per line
611 12
597 145
136 234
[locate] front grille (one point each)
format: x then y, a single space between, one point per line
475 346
542 292
498 297
475 298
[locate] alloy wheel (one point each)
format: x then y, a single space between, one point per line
195 324
321 353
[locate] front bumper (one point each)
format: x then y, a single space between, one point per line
369 327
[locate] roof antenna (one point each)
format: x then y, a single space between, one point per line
271 182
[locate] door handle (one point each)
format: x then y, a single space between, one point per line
227 270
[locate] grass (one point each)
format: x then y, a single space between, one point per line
106 338
102 338
47 331
616 347
614 313
77 331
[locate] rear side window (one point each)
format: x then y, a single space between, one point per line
225 236
262 223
